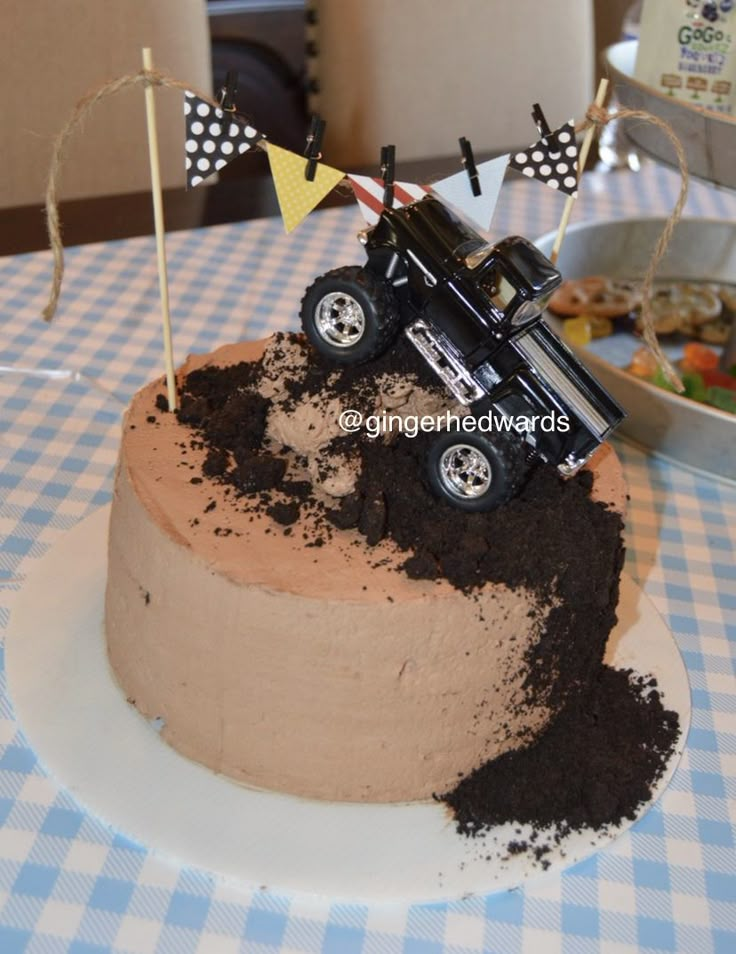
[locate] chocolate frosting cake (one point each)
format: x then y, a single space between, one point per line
304 616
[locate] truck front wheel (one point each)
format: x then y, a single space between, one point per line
350 315
474 471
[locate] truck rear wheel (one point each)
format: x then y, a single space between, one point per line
475 471
350 315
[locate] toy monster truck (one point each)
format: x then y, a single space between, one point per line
473 311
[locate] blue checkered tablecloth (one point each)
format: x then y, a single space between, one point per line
70 884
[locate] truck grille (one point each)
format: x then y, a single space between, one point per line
441 357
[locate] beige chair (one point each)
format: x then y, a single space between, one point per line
54 51
420 73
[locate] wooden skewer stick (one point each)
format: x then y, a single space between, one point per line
158 218
582 158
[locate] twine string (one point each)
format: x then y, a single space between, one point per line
81 111
595 115
599 117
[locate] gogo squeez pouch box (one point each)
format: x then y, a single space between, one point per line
686 50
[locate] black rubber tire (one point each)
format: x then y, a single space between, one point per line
506 458
380 313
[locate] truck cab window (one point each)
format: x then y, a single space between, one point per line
498 288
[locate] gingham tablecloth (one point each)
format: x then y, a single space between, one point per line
69 884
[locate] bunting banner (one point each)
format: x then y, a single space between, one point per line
296 194
552 160
369 195
213 138
457 191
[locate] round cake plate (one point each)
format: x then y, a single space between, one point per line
116 765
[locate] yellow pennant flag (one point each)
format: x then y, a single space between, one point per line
296 194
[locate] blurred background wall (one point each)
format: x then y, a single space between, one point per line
412 70
415 72
54 51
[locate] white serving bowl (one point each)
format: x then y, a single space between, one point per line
684 431
709 138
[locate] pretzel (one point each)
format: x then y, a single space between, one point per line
682 307
714 332
596 295
665 320
703 303
727 294
574 295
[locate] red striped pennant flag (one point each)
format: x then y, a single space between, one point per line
369 194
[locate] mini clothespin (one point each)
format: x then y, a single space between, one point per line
313 147
468 161
388 163
540 121
228 91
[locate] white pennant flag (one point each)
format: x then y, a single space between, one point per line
457 191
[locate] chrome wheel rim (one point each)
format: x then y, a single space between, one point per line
340 319
465 471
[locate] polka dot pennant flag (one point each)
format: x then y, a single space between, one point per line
213 138
369 194
553 160
456 190
296 194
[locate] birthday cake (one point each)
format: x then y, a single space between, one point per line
298 611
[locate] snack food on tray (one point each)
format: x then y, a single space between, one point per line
596 295
701 376
699 310
702 313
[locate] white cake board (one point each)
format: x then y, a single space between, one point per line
116 765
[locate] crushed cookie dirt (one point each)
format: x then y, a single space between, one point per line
594 766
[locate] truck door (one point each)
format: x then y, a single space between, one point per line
453 308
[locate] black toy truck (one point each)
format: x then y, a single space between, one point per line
474 311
